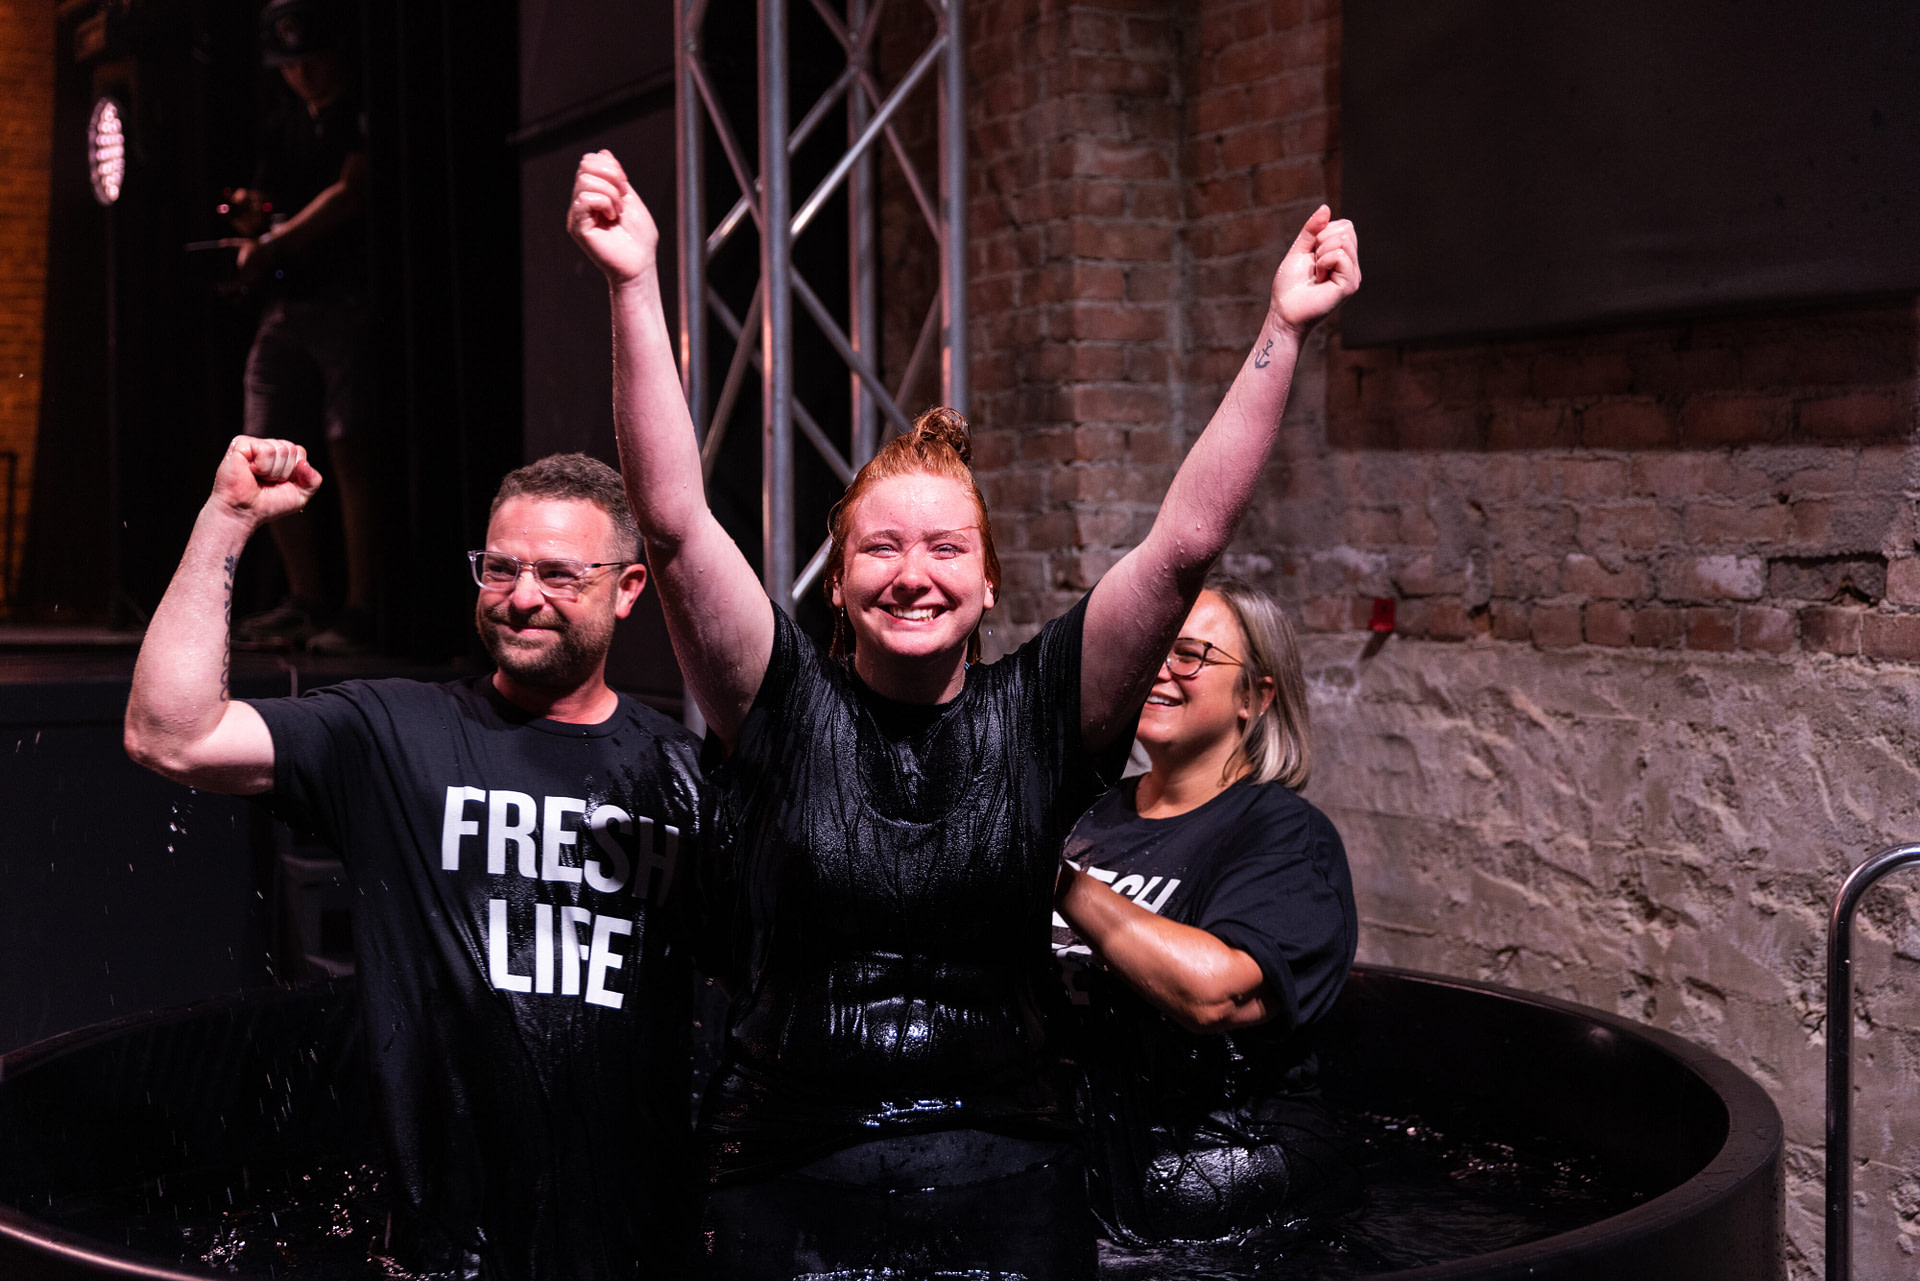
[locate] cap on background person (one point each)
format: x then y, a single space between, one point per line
293 30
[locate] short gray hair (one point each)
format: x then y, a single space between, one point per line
1277 743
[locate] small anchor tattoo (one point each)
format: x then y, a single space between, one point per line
1265 356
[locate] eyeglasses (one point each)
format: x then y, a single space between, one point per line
556 577
1188 656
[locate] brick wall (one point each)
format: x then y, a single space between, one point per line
1730 485
1651 691
1075 284
26 131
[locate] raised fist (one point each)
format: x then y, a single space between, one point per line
609 220
264 480
1321 268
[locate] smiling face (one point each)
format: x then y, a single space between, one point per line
913 580
1202 713
554 644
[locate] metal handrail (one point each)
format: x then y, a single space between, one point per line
1840 1053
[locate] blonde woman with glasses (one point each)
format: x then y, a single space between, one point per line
1206 921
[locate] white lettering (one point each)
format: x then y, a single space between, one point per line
555 834
658 854
1129 885
597 875
455 824
543 948
518 832
604 958
1101 874
1173 883
503 977
572 950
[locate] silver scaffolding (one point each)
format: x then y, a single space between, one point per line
767 199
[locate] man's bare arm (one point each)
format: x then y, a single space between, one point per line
1138 606
181 721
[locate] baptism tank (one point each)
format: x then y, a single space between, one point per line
1508 1135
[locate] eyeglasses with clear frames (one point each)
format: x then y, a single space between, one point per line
557 577
1188 656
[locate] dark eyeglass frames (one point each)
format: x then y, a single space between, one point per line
1188 656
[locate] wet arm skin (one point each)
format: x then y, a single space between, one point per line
717 614
180 720
1135 611
1187 974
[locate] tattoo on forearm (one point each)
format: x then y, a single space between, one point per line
226 648
1264 356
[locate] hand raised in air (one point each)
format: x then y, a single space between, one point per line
609 220
1321 268
263 480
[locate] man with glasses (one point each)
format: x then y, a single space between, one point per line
520 846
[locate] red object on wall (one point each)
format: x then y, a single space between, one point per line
1382 620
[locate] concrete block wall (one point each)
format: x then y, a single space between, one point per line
1652 689
26 156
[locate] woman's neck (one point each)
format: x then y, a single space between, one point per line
1183 781
937 678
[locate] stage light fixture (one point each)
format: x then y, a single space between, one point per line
107 150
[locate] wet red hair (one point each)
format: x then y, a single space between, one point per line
940 444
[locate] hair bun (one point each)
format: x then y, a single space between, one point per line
947 427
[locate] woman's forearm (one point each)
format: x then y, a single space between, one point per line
1189 975
1216 480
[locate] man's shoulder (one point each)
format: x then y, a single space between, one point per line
657 725
395 696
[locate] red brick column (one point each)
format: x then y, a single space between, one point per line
26 137
1076 270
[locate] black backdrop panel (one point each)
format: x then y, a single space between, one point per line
592 76
1516 166
572 54
568 356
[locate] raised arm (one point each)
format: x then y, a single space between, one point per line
1137 608
180 720
718 616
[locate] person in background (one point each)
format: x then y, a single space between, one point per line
520 845
304 246
885 1101
1206 921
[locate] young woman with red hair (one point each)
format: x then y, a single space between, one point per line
885 1098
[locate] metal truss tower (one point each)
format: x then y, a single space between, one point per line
763 337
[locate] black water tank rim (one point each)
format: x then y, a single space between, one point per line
76 1248
37 1053
83 1251
1755 1135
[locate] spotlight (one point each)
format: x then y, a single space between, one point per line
107 150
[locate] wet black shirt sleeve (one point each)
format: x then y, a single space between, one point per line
1280 892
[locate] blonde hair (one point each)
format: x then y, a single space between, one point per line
940 444
1276 744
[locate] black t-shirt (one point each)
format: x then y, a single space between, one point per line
521 893
1263 871
892 876
301 155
